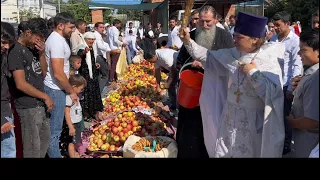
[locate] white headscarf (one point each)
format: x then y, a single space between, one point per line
87 35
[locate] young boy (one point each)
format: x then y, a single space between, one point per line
75 64
73 115
304 117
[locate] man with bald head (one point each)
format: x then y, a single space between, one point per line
190 131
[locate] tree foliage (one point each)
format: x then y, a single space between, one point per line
107 16
132 14
301 10
26 14
78 9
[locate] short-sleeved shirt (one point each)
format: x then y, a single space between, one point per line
75 110
56 47
173 38
23 58
306 104
166 58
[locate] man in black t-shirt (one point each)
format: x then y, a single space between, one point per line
8 143
25 60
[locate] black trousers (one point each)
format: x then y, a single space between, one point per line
103 72
190 134
288 131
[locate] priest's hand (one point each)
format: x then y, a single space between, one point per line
184 35
246 68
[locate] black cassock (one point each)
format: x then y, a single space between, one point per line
190 131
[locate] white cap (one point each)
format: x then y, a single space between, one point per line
107 24
89 35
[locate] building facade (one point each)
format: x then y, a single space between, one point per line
9 8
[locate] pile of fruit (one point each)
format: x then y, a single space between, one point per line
150 144
137 89
112 135
125 103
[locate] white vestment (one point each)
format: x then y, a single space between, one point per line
253 127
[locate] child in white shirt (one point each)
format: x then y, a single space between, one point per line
73 115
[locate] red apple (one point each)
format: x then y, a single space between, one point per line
116 138
135 123
121 134
112 148
115 130
125 130
117 124
129 126
124 124
129 121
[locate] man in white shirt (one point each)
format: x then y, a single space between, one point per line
115 44
76 37
174 40
292 65
140 32
164 59
56 82
132 50
130 28
101 48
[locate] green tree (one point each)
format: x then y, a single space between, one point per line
26 14
107 16
132 14
78 9
300 10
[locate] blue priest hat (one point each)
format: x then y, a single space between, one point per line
251 25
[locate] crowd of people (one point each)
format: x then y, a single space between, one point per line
259 97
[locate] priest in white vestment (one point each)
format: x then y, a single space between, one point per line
251 124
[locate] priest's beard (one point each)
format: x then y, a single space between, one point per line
205 37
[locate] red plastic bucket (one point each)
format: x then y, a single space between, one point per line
190 87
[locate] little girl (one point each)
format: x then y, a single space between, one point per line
75 64
73 116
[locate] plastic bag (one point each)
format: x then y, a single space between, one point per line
170 152
122 65
138 58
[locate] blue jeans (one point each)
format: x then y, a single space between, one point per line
56 120
8 143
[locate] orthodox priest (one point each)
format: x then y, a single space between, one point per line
251 123
190 131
